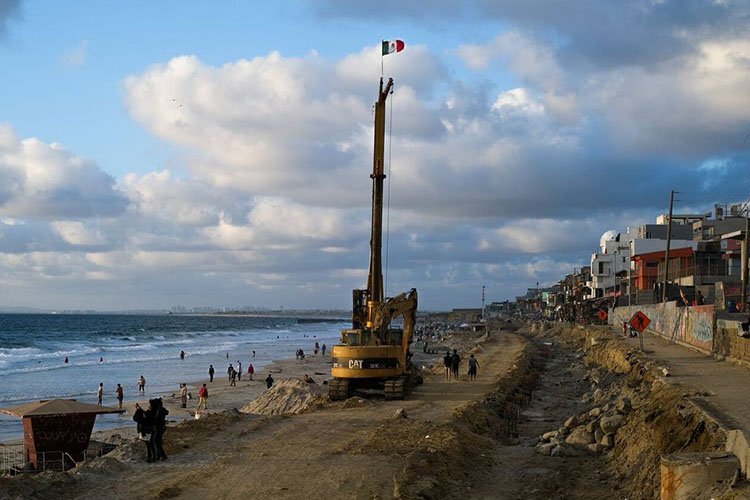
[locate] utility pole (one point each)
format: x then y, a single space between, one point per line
483 287
666 254
744 255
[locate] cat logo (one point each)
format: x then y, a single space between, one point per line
355 363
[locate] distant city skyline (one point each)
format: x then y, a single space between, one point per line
154 154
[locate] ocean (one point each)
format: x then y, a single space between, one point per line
116 349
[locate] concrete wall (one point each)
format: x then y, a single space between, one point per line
727 340
689 325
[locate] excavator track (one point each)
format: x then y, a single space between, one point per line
338 389
396 388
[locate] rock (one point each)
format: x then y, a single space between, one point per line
401 413
610 424
595 412
580 436
624 406
594 449
556 451
598 435
607 408
592 426
607 441
544 449
549 435
567 451
571 422
598 395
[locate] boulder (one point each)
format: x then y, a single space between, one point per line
598 395
594 449
598 435
571 422
544 448
624 406
607 441
592 426
610 424
595 412
549 435
580 436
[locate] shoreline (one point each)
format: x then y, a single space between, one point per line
221 395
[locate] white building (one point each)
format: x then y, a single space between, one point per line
609 265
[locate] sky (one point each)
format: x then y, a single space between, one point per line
155 154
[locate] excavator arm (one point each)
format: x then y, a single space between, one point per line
404 304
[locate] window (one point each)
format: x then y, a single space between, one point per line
601 267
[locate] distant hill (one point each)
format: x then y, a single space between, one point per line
22 310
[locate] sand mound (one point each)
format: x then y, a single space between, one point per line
290 396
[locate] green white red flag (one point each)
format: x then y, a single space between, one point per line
391 46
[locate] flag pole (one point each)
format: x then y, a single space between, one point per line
381 58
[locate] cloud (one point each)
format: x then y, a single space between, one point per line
46 180
75 56
9 9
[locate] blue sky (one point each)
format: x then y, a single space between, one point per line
163 153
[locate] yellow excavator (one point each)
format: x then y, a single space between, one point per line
373 354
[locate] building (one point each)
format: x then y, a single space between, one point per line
609 265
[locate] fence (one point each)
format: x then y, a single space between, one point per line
13 460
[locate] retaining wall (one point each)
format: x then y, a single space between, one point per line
695 326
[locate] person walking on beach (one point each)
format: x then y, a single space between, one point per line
323 349
141 384
233 378
239 371
160 426
119 394
250 371
203 397
455 363
448 364
211 372
316 348
145 427
183 395
229 372
269 381
473 365
100 393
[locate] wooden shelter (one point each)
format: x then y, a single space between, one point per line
53 428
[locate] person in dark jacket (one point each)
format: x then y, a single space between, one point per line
160 426
145 428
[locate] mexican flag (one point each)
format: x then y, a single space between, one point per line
391 46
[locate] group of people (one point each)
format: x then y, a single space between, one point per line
452 363
119 393
233 375
151 426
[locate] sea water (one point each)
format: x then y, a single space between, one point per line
114 349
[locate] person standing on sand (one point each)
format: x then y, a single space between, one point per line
203 397
323 349
119 394
239 371
183 395
100 393
455 364
250 371
145 421
211 372
269 381
448 363
160 426
316 348
233 378
141 384
229 372
473 365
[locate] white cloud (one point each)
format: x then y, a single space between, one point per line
77 233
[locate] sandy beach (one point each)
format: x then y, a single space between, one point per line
221 395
